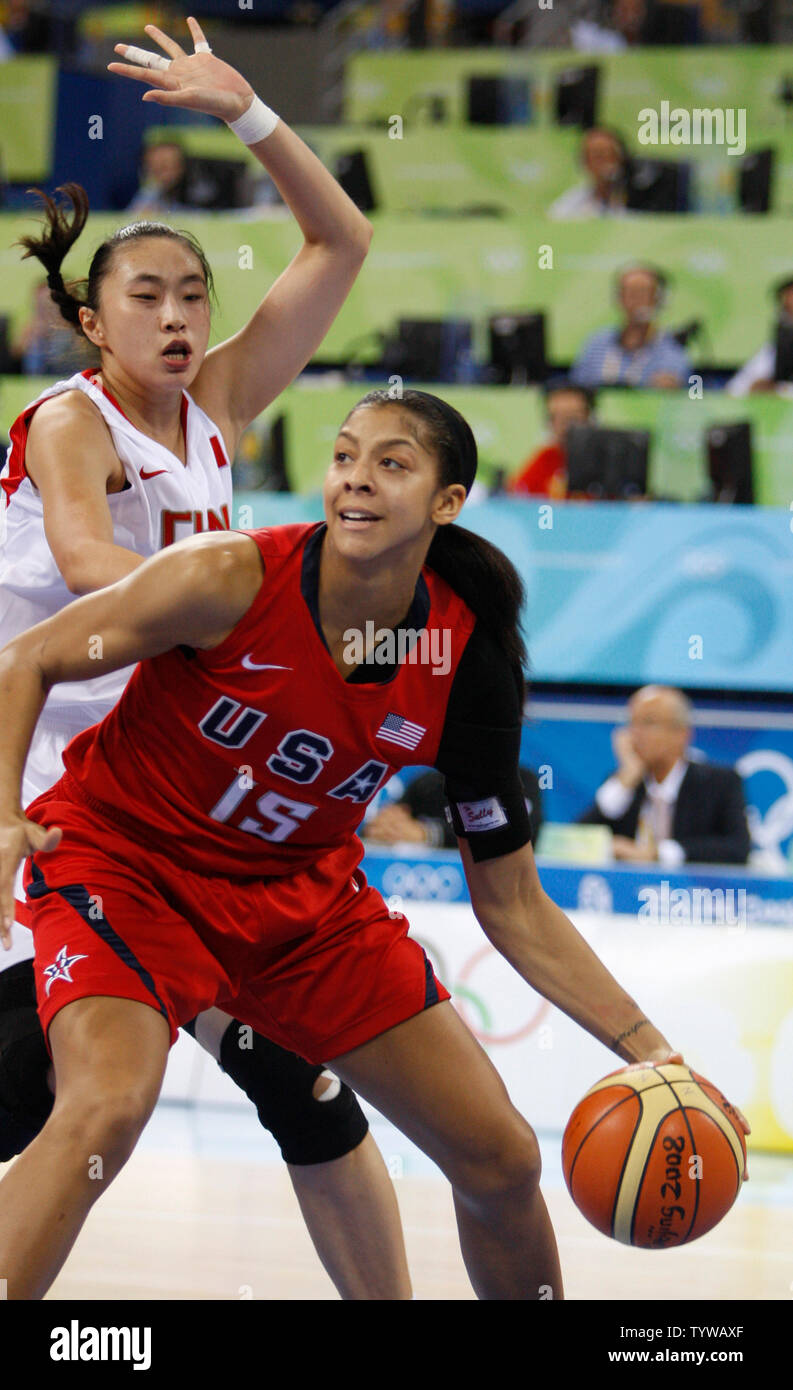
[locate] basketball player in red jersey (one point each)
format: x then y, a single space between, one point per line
106 468
213 812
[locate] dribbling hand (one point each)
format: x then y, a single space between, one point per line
19 838
197 81
661 1058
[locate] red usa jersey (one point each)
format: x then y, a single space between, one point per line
258 757
164 500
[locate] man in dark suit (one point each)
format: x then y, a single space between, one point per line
660 804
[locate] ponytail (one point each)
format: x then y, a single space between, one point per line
59 234
53 245
488 583
479 572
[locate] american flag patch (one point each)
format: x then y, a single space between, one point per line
395 729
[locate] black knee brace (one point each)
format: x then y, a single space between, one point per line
281 1086
25 1097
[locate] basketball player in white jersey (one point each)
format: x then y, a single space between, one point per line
108 467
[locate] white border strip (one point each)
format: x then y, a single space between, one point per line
605 714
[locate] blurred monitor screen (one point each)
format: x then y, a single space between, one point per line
429 349
754 181
499 101
730 462
576 97
784 352
352 172
657 185
214 184
517 348
6 360
607 463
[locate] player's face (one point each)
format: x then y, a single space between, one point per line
381 492
153 319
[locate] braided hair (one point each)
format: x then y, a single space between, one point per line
60 232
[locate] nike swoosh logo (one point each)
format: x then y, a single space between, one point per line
155 474
254 665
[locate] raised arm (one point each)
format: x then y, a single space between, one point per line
541 943
192 593
250 369
242 375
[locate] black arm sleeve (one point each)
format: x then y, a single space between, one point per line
479 751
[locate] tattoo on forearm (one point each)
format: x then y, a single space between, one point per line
634 1028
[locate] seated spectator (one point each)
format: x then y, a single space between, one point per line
419 817
545 473
629 26
636 352
48 346
759 373
162 169
640 23
27 28
661 805
605 160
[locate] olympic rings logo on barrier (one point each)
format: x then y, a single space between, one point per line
445 883
465 998
441 882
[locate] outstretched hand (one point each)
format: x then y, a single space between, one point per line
19 838
197 81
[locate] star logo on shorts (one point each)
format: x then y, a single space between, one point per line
60 968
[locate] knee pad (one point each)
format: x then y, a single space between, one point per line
25 1097
281 1085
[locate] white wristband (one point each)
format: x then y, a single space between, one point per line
254 124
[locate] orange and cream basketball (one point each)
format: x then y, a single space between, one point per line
653 1156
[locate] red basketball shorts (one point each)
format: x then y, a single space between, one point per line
313 961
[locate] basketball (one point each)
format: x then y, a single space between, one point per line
653 1157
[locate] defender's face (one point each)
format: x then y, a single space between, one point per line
154 317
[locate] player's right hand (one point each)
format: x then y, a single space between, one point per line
197 81
631 766
19 837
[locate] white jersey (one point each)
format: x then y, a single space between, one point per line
163 501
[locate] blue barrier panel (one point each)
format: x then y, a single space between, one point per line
704 896
628 594
696 596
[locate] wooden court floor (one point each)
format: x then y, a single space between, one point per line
180 1226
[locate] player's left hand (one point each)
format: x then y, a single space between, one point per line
198 81
660 1058
622 847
